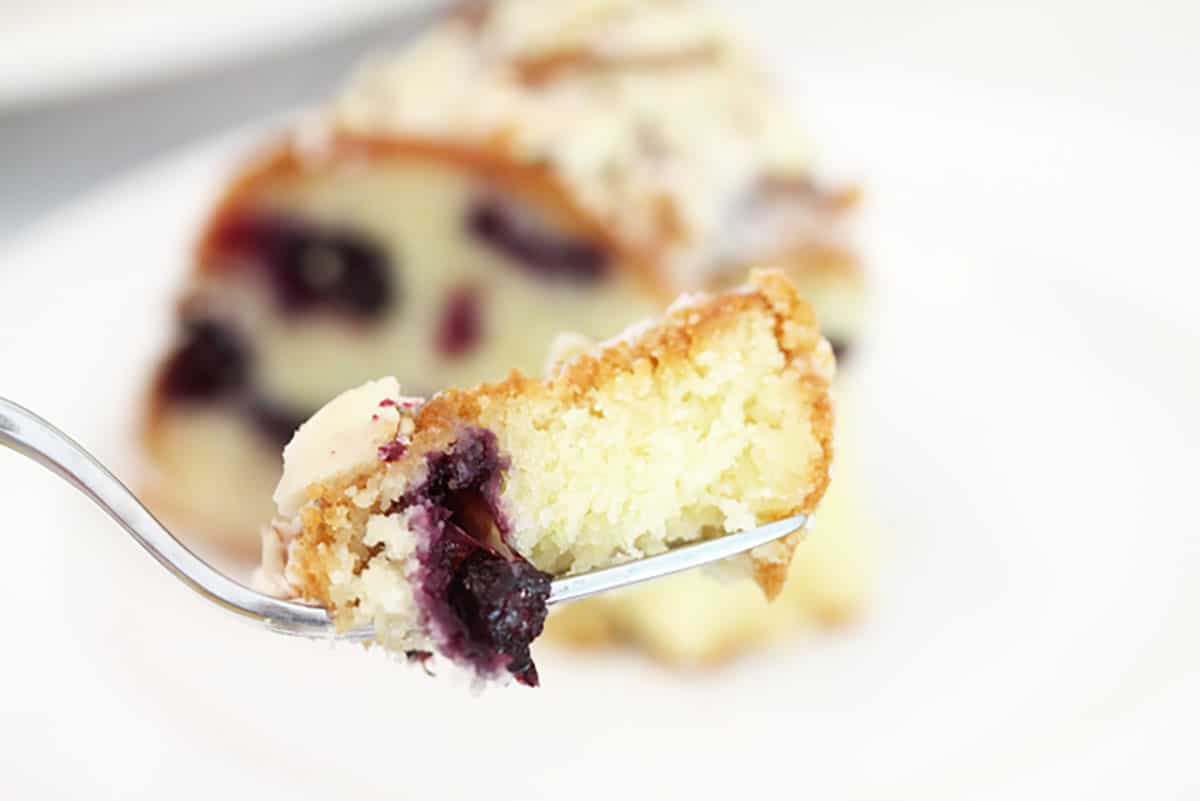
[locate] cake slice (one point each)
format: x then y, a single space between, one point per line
520 170
441 522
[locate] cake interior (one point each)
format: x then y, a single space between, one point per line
704 430
697 619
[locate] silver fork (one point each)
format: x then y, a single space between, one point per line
30 435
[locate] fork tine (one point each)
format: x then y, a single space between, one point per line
675 560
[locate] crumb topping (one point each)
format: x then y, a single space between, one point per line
650 112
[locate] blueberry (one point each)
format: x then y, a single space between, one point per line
212 363
532 247
209 362
503 605
310 267
392 451
460 328
473 462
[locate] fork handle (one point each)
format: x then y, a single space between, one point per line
29 435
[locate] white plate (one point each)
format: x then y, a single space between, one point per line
52 48
1030 407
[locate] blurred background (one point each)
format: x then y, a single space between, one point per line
1023 411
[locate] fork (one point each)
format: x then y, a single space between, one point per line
28 434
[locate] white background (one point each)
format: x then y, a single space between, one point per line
1028 412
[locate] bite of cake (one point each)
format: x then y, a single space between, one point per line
441 523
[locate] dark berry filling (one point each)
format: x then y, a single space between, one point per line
530 245
473 462
392 451
483 603
503 604
312 268
460 327
210 361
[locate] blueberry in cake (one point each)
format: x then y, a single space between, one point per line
441 522
521 169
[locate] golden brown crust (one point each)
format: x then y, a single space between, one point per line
305 565
548 67
669 338
771 576
309 563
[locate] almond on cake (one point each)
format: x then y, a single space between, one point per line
441 522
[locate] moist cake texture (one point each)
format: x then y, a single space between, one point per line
441 523
695 619
520 169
